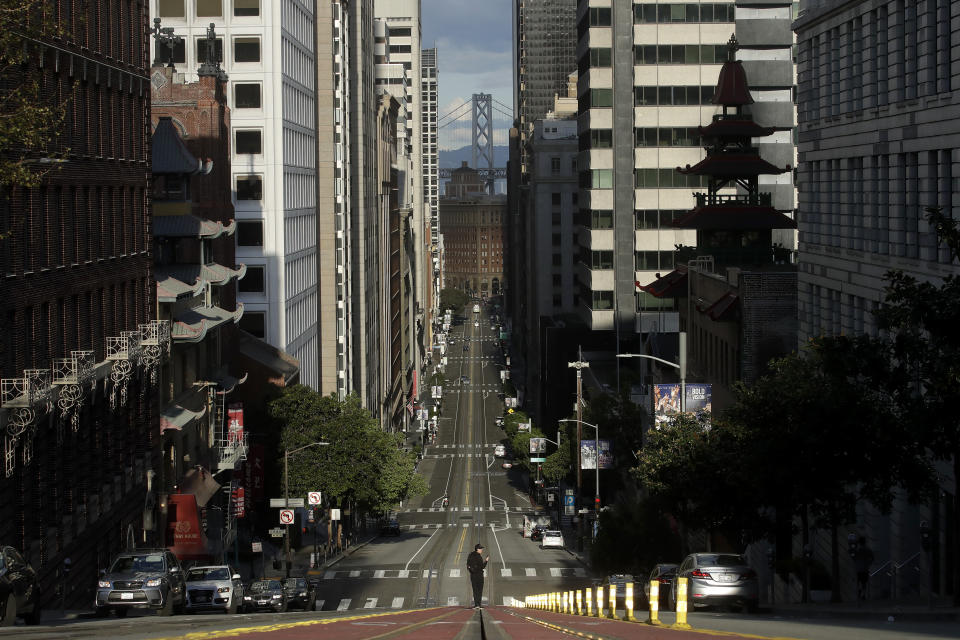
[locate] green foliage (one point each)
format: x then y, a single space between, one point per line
632 537
559 463
29 121
362 465
455 299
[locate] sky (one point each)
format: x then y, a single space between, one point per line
473 40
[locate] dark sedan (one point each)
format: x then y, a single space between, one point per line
18 589
299 593
664 574
265 595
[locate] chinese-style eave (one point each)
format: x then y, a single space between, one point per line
175 281
724 308
188 226
194 324
732 88
735 217
169 154
666 285
732 165
735 128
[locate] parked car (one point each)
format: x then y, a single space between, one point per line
551 539
18 589
536 534
142 580
265 595
213 588
664 574
620 580
299 593
391 528
718 578
507 464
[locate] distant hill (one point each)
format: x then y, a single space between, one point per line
453 158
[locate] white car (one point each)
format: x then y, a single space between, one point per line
213 588
499 451
476 324
552 539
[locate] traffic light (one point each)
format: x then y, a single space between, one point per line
925 539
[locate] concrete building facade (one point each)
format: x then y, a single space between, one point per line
268 51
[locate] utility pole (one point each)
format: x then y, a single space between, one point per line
579 365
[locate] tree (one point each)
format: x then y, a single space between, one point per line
921 319
632 537
362 465
455 299
29 120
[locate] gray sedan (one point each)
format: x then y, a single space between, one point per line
718 579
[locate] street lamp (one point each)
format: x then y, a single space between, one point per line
286 494
596 495
682 366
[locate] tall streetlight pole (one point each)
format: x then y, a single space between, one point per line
579 365
286 495
682 366
596 494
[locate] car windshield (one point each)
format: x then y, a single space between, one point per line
265 585
295 582
147 563
722 560
208 573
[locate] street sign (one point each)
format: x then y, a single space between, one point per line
277 532
538 459
256 547
313 497
568 501
292 503
286 516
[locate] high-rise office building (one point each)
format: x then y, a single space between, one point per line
428 119
268 51
544 42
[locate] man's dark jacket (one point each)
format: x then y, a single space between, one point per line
475 564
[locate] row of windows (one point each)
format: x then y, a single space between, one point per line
245 49
207 8
301 274
643 179
666 137
665 96
598 219
683 12
653 260
680 54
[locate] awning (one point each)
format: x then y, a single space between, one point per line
735 217
193 325
177 417
187 226
667 285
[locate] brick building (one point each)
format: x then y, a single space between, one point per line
79 332
472 226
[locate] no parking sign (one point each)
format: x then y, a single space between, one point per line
286 516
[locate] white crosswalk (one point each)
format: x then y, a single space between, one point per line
344 604
371 603
397 603
505 572
474 508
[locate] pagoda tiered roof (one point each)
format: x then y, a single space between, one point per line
189 226
192 325
733 164
735 126
169 154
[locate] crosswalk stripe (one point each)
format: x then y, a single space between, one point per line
580 573
318 604
454 573
370 603
379 573
330 575
404 573
531 572
354 574
344 604
453 601
426 573
554 572
397 603
506 573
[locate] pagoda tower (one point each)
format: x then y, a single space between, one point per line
735 228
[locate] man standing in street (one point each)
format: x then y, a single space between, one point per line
476 563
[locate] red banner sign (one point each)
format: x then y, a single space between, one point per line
235 423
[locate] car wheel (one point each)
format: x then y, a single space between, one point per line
284 607
751 606
33 617
122 612
100 612
167 608
233 607
9 612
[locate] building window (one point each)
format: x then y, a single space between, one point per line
254 323
202 50
171 9
249 187
601 178
246 96
249 141
600 17
250 233
601 219
209 8
601 259
246 8
246 49
601 97
601 138
600 57
554 166
254 281
555 198
602 300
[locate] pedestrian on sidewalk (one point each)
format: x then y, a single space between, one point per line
475 566
862 559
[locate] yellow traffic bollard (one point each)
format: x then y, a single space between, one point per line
599 613
654 618
579 602
612 614
566 602
589 603
681 622
628 603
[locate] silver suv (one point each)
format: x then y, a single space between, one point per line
144 580
718 578
214 588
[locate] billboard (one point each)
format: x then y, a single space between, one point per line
538 445
589 455
666 402
235 423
